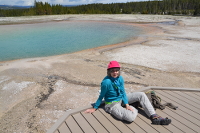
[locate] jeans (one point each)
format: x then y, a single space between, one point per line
122 113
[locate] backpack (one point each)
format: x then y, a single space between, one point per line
156 101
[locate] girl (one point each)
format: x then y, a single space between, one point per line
113 92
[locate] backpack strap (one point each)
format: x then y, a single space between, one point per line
156 101
170 105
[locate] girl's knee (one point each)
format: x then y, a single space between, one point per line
130 119
130 115
142 94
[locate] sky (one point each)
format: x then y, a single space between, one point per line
62 2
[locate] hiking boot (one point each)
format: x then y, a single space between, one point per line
158 120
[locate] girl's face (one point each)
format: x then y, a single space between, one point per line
114 72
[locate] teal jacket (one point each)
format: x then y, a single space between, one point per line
110 93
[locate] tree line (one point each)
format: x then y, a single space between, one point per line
164 7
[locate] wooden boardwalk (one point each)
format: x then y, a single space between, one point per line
186 119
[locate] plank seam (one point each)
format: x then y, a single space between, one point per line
67 126
177 119
77 123
197 97
181 105
185 112
100 123
88 122
140 127
109 120
178 103
182 100
147 124
186 97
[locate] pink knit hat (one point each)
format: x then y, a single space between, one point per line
113 64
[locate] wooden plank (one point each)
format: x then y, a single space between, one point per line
105 122
175 126
64 129
145 125
94 123
177 122
186 110
194 119
119 124
135 127
182 112
180 117
183 99
182 120
158 128
85 126
191 105
189 98
180 107
73 126
198 94
65 116
175 100
193 94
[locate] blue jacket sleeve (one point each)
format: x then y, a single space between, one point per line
102 95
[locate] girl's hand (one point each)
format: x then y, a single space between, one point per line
90 110
129 107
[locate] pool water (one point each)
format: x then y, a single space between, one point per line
55 38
